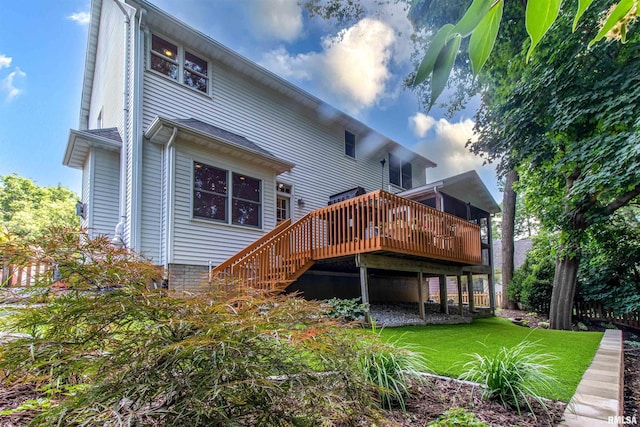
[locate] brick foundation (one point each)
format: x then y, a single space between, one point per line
183 277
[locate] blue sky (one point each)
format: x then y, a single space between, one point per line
357 68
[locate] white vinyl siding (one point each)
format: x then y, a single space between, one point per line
277 125
105 194
86 192
152 208
198 241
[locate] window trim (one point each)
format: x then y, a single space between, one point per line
229 196
179 61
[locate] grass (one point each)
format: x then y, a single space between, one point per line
448 347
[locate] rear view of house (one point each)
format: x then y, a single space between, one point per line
207 163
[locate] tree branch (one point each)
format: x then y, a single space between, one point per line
623 200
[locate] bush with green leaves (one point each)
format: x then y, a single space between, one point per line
457 417
135 355
391 366
513 375
347 309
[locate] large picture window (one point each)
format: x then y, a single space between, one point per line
400 172
173 61
213 200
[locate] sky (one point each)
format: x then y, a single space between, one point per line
358 68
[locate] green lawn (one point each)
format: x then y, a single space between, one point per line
448 347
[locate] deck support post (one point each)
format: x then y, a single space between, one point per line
459 283
492 295
421 296
364 291
444 304
470 292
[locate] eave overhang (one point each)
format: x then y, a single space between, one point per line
161 129
80 143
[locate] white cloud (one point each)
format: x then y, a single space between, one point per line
5 61
447 147
421 124
8 84
81 18
353 66
357 63
277 19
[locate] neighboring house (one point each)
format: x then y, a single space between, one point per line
520 249
191 153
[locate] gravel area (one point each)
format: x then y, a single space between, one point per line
407 314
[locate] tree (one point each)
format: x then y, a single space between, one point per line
29 209
508 232
572 123
481 23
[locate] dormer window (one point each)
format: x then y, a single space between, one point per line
177 63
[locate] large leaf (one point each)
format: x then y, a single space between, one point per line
428 62
612 20
582 6
541 14
443 67
484 37
473 16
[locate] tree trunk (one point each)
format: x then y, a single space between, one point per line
508 228
564 289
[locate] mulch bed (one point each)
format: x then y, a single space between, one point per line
430 399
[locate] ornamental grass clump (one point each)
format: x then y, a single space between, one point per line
391 366
111 349
513 376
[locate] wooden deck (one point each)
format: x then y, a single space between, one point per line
374 222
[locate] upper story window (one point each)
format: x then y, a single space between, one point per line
213 200
179 64
349 144
399 172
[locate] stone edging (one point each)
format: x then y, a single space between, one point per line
598 400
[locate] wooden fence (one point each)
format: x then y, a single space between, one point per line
480 299
21 276
590 310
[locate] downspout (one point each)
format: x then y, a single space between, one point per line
439 199
136 143
169 202
118 238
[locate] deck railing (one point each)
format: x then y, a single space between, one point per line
377 221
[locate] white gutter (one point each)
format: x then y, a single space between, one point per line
118 238
170 159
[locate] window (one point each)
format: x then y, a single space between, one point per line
246 206
173 61
399 172
349 144
283 202
213 200
209 192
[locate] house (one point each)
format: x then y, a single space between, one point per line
191 154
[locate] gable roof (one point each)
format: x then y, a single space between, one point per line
81 141
161 129
467 186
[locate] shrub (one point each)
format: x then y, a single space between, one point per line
390 367
512 375
457 417
140 356
347 309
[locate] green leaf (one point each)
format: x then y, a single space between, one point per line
484 37
428 62
582 6
443 67
473 16
612 20
541 14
